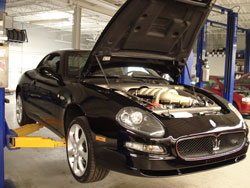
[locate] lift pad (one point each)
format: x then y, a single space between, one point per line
21 140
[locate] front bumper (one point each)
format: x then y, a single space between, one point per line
141 164
244 108
153 166
115 156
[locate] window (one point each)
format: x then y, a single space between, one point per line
245 80
75 64
211 84
221 80
127 71
52 61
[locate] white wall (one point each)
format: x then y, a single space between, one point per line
216 64
216 41
26 56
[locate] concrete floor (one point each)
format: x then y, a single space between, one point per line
47 168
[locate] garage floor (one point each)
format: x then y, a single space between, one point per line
46 168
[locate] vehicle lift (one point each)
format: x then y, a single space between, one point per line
231 47
18 138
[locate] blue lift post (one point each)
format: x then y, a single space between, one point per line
201 53
247 53
184 79
2 122
2 137
231 47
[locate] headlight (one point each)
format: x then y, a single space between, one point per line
140 121
245 100
235 111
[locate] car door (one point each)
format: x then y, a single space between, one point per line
47 85
72 65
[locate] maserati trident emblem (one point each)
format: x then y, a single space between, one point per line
216 145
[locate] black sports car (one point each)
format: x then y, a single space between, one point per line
116 110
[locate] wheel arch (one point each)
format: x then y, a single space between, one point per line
18 89
72 111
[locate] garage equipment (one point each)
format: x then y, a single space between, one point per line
247 53
18 138
185 79
15 139
231 46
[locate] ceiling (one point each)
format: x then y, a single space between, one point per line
57 14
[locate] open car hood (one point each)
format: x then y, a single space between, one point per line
153 29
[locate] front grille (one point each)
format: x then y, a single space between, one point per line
209 146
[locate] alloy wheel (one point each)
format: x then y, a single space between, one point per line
77 149
19 109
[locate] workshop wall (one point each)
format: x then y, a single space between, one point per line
216 64
216 41
26 56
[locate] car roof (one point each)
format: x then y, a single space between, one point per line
69 50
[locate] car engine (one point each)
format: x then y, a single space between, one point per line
172 100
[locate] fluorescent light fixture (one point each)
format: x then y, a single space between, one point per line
3 38
103 4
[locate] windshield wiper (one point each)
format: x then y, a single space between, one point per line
101 76
148 77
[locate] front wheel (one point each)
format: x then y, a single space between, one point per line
80 153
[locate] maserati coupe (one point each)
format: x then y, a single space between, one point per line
115 107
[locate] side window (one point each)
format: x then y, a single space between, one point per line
75 64
52 61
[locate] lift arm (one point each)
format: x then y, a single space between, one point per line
19 138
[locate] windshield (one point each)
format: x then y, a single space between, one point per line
221 80
129 71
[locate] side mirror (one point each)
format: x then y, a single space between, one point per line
46 71
216 88
49 72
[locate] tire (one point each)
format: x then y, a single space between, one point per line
80 153
21 116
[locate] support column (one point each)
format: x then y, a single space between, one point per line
2 120
76 29
247 53
2 137
184 79
2 5
231 47
201 53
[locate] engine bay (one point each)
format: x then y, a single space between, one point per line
172 100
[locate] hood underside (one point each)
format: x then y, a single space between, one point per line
154 29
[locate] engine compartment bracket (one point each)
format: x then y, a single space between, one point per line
19 138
